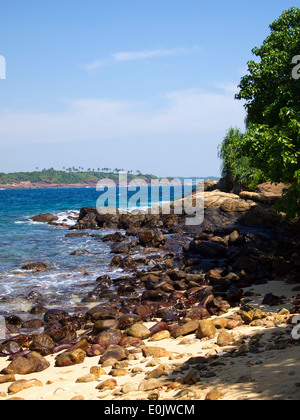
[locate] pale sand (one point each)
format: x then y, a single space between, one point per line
276 372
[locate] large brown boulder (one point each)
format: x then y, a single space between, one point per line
114 352
139 331
44 218
43 344
19 366
152 238
70 358
24 365
186 329
206 329
155 352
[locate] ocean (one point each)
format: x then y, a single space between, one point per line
69 278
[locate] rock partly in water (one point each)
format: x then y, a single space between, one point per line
35 266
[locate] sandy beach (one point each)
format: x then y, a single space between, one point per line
263 364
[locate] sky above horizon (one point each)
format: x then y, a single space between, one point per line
139 85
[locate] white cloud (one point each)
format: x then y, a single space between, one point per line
147 54
124 56
188 112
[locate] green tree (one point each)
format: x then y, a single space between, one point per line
272 94
236 168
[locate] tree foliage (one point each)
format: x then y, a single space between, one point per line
236 168
272 95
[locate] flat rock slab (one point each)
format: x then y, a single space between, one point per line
19 386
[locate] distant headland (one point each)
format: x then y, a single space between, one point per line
70 178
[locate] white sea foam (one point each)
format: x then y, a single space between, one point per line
27 221
65 217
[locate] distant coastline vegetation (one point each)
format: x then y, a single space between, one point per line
79 176
69 176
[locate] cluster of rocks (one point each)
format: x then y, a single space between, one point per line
117 340
54 220
189 292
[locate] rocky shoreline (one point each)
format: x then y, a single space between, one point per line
201 306
42 185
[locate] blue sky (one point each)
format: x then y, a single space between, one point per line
145 85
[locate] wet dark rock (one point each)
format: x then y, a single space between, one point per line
44 218
80 252
42 344
127 320
210 250
32 324
34 296
10 348
59 348
13 320
205 292
170 318
108 338
153 295
213 276
177 275
127 262
161 312
55 315
76 322
104 325
160 326
12 329
114 237
218 306
53 326
64 335
116 261
120 248
20 339
114 352
72 358
234 295
99 313
126 291
272 300
95 350
146 312
151 238
198 314
77 234
179 285
105 279
38 310
35 266
131 342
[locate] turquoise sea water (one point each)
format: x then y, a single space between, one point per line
22 241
